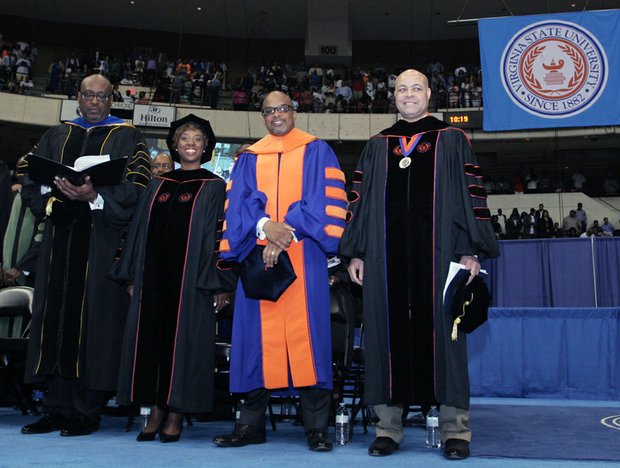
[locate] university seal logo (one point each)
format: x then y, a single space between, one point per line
554 69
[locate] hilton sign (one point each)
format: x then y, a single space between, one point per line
153 116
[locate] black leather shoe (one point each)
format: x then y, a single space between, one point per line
318 440
241 436
79 427
48 423
382 447
456 449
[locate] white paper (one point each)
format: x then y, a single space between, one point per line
84 162
452 271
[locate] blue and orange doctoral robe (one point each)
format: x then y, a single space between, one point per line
294 179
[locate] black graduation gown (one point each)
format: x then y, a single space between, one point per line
78 314
169 342
407 225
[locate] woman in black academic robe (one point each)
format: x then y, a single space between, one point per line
169 261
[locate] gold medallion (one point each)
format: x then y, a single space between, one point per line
405 162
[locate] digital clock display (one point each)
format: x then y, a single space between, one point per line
464 119
456 119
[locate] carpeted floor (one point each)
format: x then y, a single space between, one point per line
516 434
546 432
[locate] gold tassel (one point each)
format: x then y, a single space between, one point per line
455 326
48 205
455 329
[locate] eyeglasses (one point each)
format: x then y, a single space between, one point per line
265 111
162 166
88 96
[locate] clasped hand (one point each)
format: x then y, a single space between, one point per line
85 192
280 236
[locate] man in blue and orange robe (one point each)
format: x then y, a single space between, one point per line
286 192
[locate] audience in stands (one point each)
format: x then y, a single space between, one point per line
595 229
607 228
545 226
514 225
582 216
571 225
196 81
529 224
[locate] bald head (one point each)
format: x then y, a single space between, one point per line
278 113
412 73
95 98
277 96
412 94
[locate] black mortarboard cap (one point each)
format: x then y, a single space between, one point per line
206 127
468 304
265 283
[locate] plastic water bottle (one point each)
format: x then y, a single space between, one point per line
145 412
343 426
432 429
237 410
286 411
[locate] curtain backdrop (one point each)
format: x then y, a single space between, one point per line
547 353
575 272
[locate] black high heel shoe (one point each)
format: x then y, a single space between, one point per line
146 436
168 438
150 436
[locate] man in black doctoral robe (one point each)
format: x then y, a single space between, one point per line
79 314
418 204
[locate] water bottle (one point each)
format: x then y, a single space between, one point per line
237 410
145 413
343 434
432 429
286 411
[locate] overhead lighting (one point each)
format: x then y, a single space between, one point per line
199 8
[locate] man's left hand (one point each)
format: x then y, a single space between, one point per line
472 264
85 192
220 301
270 255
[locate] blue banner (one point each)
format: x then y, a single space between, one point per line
548 71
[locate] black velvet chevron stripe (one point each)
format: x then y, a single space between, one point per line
482 212
225 265
473 170
477 191
353 196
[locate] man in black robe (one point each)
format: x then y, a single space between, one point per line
79 314
418 204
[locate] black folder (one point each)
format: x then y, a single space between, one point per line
43 171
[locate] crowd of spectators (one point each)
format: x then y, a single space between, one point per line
538 224
319 89
16 65
187 80
531 182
